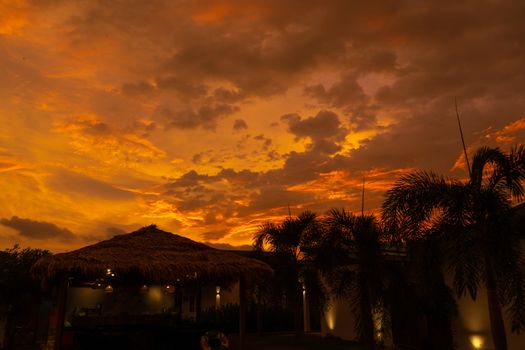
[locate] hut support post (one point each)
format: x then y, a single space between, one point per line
260 328
198 303
61 311
242 312
306 310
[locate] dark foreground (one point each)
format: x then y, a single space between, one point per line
289 342
190 341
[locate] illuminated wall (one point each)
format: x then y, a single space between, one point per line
227 294
338 320
472 326
123 299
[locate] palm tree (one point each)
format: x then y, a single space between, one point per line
286 241
348 253
472 220
432 297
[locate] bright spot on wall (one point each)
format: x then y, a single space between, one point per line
476 341
378 326
155 294
330 318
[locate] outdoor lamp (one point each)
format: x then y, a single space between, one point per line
169 289
217 296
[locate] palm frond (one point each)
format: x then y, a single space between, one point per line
267 237
413 200
466 263
511 283
484 157
514 172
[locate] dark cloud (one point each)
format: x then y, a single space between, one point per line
243 193
347 95
182 86
138 88
214 235
265 54
191 178
227 246
228 95
38 229
206 116
213 157
273 197
324 129
431 132
198 158
73 183
426 49
324 125
239 124
242 177
343 93
114 231
273 155
266 142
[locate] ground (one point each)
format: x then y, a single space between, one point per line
288 342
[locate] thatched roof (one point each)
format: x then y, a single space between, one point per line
155 256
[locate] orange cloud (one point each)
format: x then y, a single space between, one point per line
211 117
97 139
13 17
507 134
218 10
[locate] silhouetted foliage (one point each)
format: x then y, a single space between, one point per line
348 252
471 221
286 240
226 318
15 273
19 291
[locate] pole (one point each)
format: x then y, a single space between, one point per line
198 303
242 313
61 311
462 139
260 320
363 199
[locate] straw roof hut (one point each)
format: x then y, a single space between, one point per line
155 256
151 255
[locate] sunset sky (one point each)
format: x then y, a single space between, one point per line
209 118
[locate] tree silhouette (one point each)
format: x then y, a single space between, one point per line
17 286
348 253
286 241
472 221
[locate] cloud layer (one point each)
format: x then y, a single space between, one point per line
38 229
209 117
